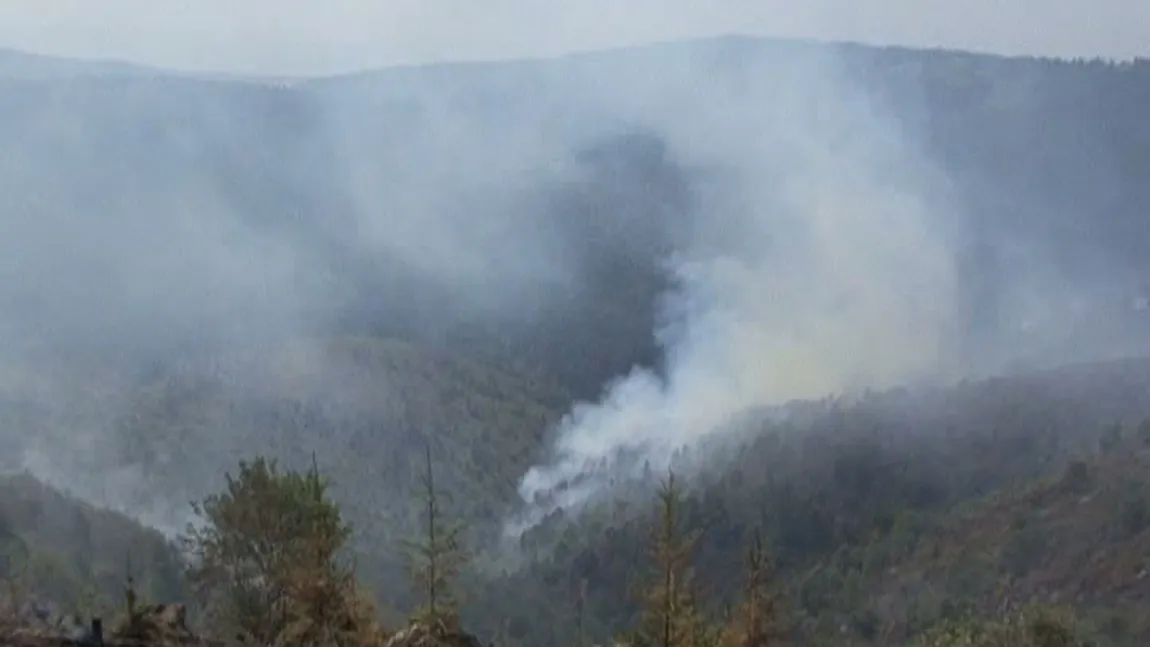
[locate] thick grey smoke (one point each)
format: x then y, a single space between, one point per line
825 263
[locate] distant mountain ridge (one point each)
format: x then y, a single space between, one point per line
27 66
16 64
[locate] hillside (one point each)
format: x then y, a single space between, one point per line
351 270
71 557
317 195
885 515
1077 537
364 408
878 510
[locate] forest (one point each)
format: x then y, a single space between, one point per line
899 518
393 382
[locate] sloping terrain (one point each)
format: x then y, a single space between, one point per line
194 271
302 206
68 556
364 408
885 514
846 492
1079 537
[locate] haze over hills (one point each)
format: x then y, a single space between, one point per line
195 269
20 65
17 65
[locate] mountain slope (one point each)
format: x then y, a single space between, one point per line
364 408
526 208
848 491
55 548
1078 537
885 514
196 270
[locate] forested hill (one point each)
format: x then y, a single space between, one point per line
350 270
362 408
319 194
885 517
890 514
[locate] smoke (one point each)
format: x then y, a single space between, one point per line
824 262
704 228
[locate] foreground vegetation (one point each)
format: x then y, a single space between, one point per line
1025 521
266 569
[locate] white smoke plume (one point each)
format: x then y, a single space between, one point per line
826 265
168 245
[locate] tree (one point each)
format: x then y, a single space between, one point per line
757 621
670 617
438 557
264 559
580 610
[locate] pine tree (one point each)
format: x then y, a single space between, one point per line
438 558
757 621
670 615
265 561
326 606
580 611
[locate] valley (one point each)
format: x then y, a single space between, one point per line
907 285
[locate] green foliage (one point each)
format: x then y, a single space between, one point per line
884 515
385 400
883 519
53 547
265 557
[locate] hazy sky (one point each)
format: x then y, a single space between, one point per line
320 36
